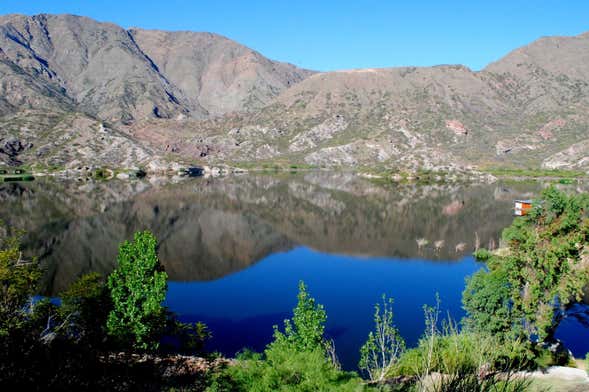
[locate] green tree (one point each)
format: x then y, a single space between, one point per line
384 345
487 300
304 332
542 271
138 288
18 282
86 305
299 359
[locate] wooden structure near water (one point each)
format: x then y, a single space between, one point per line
522 207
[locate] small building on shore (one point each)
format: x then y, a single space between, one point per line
522 207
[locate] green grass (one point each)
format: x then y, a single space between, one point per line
273 166
382 176
535 173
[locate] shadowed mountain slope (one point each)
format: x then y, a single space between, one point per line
121 75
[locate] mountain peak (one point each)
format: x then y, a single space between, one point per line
157 73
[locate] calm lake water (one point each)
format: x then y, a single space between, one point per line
235 248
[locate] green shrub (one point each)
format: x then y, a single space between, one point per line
18 282
540 274
482 254
487 301
455 361
186 338
297 360
284 368
472 382
304 332
384 345
137 288
449 351
86 305
100 173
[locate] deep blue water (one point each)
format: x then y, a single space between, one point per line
242 308
236 247
573 331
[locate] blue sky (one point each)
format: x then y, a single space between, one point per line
328 35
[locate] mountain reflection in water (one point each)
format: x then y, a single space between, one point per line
209 228
235 247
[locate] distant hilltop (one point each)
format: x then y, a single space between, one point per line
75 91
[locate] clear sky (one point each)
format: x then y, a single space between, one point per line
328 35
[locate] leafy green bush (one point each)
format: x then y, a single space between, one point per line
100 173
304 332
447 353
487 300
18 282
482 254
384 345
446 349
138 288
297 360
284 368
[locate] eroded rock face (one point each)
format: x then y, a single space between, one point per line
10 148
69 141
457 127
547 131
319 133
574 157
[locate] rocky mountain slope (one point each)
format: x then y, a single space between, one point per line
120 76
200 97
528 109
215 73
65 65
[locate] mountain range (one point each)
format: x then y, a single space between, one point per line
76 92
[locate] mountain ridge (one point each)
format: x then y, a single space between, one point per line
203 98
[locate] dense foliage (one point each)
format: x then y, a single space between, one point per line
86 305
542 271
18 282
65 345
447 359
138 288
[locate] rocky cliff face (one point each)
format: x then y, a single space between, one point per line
202 97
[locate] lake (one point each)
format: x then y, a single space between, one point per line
236 247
